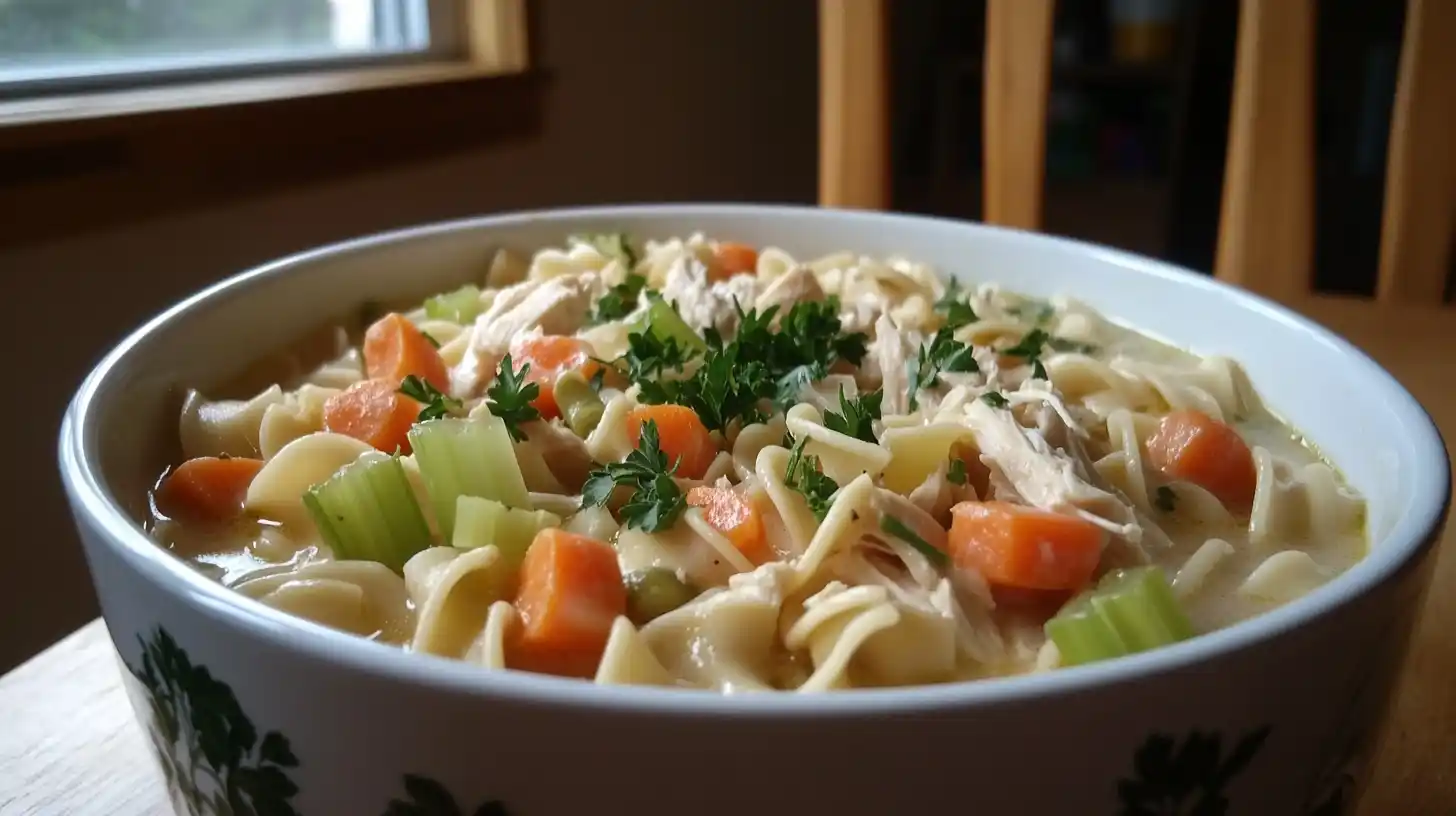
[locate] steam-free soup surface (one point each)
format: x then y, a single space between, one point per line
698 463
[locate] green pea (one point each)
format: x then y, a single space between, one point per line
655 592
580 405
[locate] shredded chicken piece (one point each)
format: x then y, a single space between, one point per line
555 306
886 360
889 503
798 285
1023 463
703 306
935 496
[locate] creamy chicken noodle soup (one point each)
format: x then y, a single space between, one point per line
701 464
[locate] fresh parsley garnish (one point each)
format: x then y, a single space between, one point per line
1038 371
611 244
1063 344
955 472
803 474
856 416
957 311
435 403
648 356
1165 499
942 354
510 397
656 500
620 300
995 399
900 530
1035 341
759 363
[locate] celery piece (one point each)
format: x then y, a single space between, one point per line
663 321
580 404
459 306
467 457
482 522
1129 611
1083 635
367 511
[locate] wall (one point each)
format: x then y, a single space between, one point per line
651 100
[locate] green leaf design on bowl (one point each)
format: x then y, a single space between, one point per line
428 797
1188 777
211 755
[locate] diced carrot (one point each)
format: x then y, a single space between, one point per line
734 259
550 356
737 517
571 593
373 411
207 489
1194 447
1016 546
681 435
395 349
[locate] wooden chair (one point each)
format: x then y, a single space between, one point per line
1266 227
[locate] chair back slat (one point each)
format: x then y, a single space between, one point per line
1420 174
1266 227
1017 69
854 111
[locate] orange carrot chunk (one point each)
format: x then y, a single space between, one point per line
207 489
1016 546
374 412
395 349
571 592
1194 447
734 259
550 356
737 517
681 434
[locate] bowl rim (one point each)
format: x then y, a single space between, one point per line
95 507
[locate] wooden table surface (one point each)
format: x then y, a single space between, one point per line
69 744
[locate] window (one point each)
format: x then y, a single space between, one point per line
49 46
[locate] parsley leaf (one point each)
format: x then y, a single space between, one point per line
435 403
656 501
510 397
611 244
1063 344
957 312
955 472
902 531
648 356
995 399
724 388
620 300
1165 499
855 416
942 354
803 474
1029 346
1039 372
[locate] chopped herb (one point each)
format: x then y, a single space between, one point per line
942 354
955 472
510 397
1039 372
1029 346
436 403
900 530
597 378
787 441
649 355
957 312
722 390
656 501
1038 311
1063 344
856 416
611 244
1165 499
803 474
995 399
620 300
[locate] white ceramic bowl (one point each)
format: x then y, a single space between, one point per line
250 708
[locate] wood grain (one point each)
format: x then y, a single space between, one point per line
854 105
70 745
1018 78
1266 228
1420 175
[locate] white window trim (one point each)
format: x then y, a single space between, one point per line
468 38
